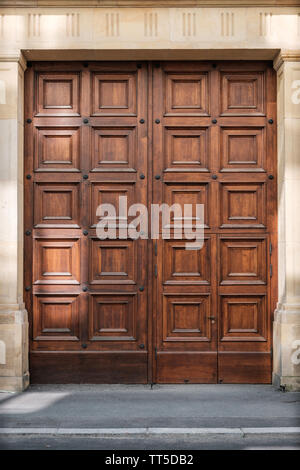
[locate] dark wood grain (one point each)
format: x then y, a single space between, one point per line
215 146
207 315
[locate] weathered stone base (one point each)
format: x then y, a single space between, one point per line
14 384
289 384
286 331
14 375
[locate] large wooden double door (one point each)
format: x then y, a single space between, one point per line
136 311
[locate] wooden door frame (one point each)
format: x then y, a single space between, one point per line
28 223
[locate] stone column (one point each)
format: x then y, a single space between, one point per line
286 368
14 373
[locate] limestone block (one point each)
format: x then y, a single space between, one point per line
8 273
281 271
286 337
290 336
149 28
293 271
292 89
11 335
13 349
281 150
292 213
8 90
280 95
277 349
2 352
292 148
8 150
281 207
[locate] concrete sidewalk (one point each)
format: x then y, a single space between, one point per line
85 408
138 417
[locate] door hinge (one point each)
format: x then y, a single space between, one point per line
271 270
270 248
271 351
155 248
155 270
155 352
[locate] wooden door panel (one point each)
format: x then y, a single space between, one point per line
114 149
242 93
113 319
70 367
114 93
185 319
109 193
218 158
186 94
113 262
243 205
186 149
57 93
86 147
244 368
186 367
183 154
242 149
56 261
243 261
57 149
243 318
186 267
56 318
56 205
181 194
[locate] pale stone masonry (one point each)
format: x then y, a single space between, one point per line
132 29
287 315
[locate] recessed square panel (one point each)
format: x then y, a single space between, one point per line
56 261
189 194
185 318
243 205
186 150
55 318
57 93
243 261
243 318
113 94
113 317
242 93
187 93
57 149
242 149
185 267
109 193
56 205
114 149
112 262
